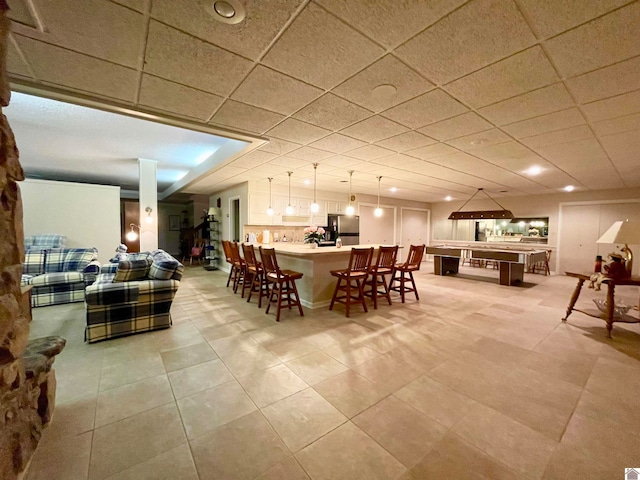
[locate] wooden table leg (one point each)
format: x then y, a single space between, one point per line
574 298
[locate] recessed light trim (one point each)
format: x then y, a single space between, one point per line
569 188
226 11
534 170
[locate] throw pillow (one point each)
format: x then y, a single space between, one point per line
130 270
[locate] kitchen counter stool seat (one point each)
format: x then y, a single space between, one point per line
403 272
255 279
351 280
282 283
377 285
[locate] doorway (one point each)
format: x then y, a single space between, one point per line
234 219
414 225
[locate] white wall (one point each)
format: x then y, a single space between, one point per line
89 215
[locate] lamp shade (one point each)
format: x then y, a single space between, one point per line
622 232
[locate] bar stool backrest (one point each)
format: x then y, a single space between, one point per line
227 251
249 255
235 254
386 257
360 259
269 261
415 256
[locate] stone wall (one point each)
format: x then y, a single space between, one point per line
27 382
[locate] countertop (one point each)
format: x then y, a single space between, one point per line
304 249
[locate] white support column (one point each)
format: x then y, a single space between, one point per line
148 189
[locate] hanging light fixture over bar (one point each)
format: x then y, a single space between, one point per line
289 209
270 210
314 207
350 210
481 214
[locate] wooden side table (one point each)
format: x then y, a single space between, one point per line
611 287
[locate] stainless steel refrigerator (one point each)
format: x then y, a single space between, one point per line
346 227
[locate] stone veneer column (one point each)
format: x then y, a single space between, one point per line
27 382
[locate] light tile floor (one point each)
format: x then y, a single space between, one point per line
475 380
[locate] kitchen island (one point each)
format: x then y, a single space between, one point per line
317 284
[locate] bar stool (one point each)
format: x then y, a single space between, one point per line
283 282
354 277
542 266
229 258
238 266
254 275
383 266
402 269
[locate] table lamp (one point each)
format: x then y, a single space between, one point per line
623 232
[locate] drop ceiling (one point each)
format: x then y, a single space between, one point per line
483 89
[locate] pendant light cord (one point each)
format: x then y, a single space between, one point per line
379 178
315 177
289 173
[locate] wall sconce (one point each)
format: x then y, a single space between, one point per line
314 206
270 210
350 210
378 211
132 236
149 218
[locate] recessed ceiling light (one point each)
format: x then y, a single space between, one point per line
448 198
534 170
479 141
384 91
226 11
569 188
307 181
393 189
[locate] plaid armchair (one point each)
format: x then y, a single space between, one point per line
59 275
132 296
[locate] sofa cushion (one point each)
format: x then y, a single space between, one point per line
49 240
130 270
165 267
138 256
57 278
34 262
69 259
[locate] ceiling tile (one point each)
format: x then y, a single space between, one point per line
139 5
337 143
320 49
264 19
623 147
546 123
184 59
428 108
601 177
172 97
390 22
373 129
432 151
274 91
253 159
310 154
386 71
100 29
15 64
245 117
278 146
51 64
406 141
550 17
465 40
582 151
332 112
616 125
341 161
396 160
478 140
620 78
299 132
512 76
464 124
369 152
289 162
581 132
613 107
508 151
532 104
599 43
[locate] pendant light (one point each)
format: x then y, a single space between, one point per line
350 210
378 211
314 206
481 214
270 210
289 209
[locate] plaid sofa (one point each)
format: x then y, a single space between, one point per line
48 240
59 275
132 296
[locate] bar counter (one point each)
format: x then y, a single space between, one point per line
317 284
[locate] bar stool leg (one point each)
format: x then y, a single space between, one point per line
295 291
335 294
415 290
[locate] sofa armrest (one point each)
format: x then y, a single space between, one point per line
92 268
100 294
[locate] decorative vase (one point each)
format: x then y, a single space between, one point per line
313 245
